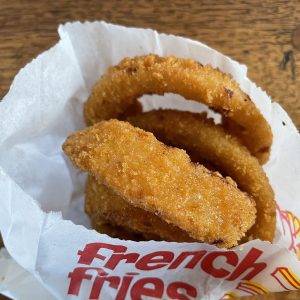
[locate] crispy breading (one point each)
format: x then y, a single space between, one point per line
162 180
102 203
106 226
122 84
206 140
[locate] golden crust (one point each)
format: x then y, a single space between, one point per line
133 77
200 136
102 203
163 181
105 226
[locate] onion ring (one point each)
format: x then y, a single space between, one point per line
200 136
162 180
151 74
102 203
107 227
240 132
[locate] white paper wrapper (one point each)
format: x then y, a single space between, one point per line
42 194
16 283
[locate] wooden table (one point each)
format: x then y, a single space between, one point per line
264 35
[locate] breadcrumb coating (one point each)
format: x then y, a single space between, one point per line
106 226
162 180
102 203
124 83
202 137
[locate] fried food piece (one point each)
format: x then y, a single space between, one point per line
104 226
163 181
201 136
134 109
240 132
107 227
151 74
102 203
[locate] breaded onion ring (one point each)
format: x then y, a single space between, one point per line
151 74
101 203
105 226
240 132
200 136
162 180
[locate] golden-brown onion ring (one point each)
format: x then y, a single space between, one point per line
102 203
133 77
162 180
200 136
239 131
107 227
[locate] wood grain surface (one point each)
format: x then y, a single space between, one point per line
264 35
